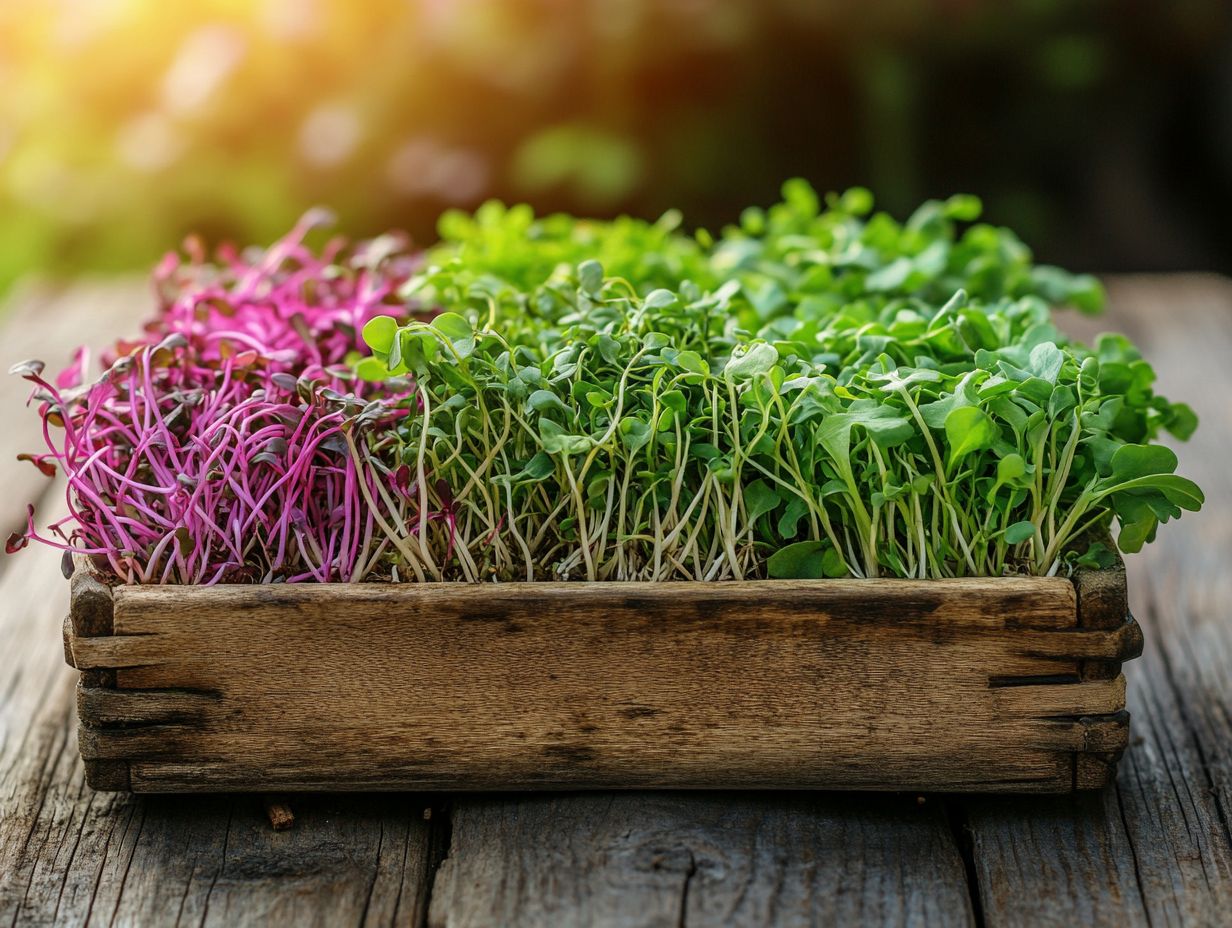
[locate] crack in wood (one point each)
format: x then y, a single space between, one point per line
440 843
964 841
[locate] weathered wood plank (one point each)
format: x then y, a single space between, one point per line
962 684
1103 603
1181 852
666 859
1176 792
1054 861
1157 850
42 805
217 861
106 707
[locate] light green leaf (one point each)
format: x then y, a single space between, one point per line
453 326
634 433
747 362
659 299
693 362
372 370
1010 469
590 277
540 467
891 276
379 333
968 429
556 440
1179 491
1045 362
543 400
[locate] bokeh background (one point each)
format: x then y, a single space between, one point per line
1101 131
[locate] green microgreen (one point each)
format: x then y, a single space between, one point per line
817 391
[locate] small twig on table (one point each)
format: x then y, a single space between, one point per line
279 812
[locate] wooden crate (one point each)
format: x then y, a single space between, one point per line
1005 685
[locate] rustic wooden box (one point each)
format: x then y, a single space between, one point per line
1008 685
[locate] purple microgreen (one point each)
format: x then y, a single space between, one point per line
185 462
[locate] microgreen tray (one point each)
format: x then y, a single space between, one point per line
1006 685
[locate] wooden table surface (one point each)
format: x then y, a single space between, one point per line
1154 850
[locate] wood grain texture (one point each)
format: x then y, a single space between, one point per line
1158 849
1054 861
1176 789
667 859
356 861
963 685
1103 603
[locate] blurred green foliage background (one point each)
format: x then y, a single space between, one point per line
1102 131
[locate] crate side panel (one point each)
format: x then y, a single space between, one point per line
608 685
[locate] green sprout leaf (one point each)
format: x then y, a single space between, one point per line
556 440
590 277
748 362
379 333
806 560
968 429
1020 532
759 499
815 391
